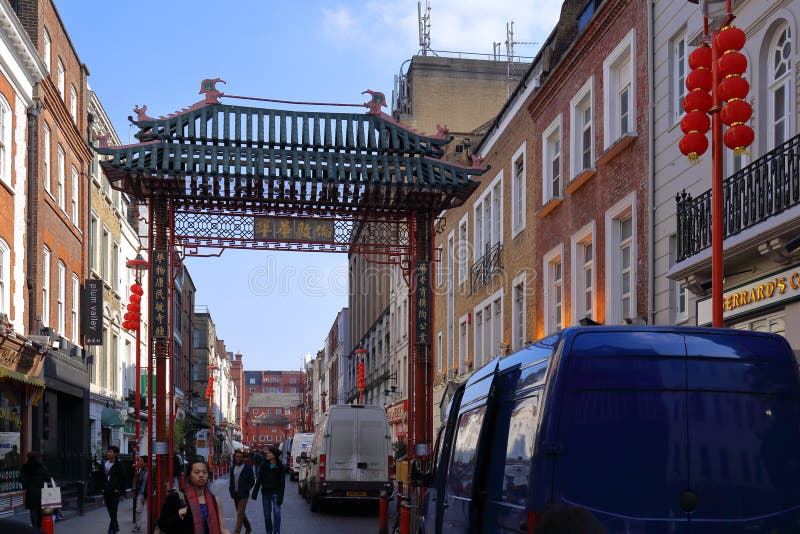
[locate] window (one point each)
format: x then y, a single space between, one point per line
619 91
46 287
518 191
61 295
439 363
780 80
489 218
551 161
679 66
76 302
61 177
462 465
93 243
678 297
5 278
46 49
553 290
73 103
620 261
196 343
463 337
522 432
451 299
46 158
488 328
518 333
114 366
61 78
75 193
6 126
581 129
115 281
463 250
583 273
105 244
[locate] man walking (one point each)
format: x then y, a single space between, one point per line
241 480
114 486
141 493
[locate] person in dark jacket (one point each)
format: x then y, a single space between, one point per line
33 475
241 481
114 486
272 482
195 509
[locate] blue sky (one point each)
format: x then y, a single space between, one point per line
274 307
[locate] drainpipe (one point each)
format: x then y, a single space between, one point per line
651 267
32 200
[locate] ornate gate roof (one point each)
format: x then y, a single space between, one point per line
223 156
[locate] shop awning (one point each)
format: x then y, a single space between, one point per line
14 375
110 418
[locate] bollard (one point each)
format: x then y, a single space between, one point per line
383 516
81 497
47 521
399 495
405 517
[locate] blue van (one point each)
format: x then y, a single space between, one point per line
652 429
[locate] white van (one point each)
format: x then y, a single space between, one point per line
301 442
351 458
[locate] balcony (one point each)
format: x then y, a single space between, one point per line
767 187
486 266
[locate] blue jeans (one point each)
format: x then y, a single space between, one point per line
271 510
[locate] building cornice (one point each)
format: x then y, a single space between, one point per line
20 44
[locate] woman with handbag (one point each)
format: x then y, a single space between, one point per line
33 476
193 510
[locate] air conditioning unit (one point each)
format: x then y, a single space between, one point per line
48 331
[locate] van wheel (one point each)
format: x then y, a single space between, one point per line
315 504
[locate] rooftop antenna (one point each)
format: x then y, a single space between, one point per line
510 42
424 27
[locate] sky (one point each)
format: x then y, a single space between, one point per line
274 307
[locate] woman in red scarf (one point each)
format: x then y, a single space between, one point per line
194 510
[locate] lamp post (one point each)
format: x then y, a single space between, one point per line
210 397
719 53
137 265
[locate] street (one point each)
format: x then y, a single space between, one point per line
296 516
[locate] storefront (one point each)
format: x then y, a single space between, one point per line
20 391
397 416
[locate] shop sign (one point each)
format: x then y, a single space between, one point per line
397 412
92 317
294 229
766 291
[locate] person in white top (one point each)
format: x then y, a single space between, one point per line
241 481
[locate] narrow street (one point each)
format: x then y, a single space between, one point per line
296 516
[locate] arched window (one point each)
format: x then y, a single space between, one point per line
5 141
779 71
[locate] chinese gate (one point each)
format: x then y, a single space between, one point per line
218 176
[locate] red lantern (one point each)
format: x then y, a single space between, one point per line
126 325
730 38
700 58
134 307
695 121
136 298
736 111
137 289
733 87
693 145
738 138
699 79
697 101
128 316
732 63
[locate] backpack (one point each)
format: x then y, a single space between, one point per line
182 497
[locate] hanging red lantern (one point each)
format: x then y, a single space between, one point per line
736 111
693 145
738 138
700 58
730 38
134 307
128 316
699 79
697 101
137 289
126 325
732 63
733 87
695 121
136 298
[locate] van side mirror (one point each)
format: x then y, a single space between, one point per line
303 456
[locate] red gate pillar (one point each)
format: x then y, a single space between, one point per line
420 385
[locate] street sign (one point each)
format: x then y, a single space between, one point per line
160 447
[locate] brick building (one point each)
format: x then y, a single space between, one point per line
272 390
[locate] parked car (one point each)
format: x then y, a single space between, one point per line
650 429
351 456
301 442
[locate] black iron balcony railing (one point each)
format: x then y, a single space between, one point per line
486 266
768 186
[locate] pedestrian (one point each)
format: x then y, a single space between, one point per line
11 459
271 480
114 486
241 481
140 495
194 509
33 475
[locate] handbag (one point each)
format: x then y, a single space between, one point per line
51 495
157 529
